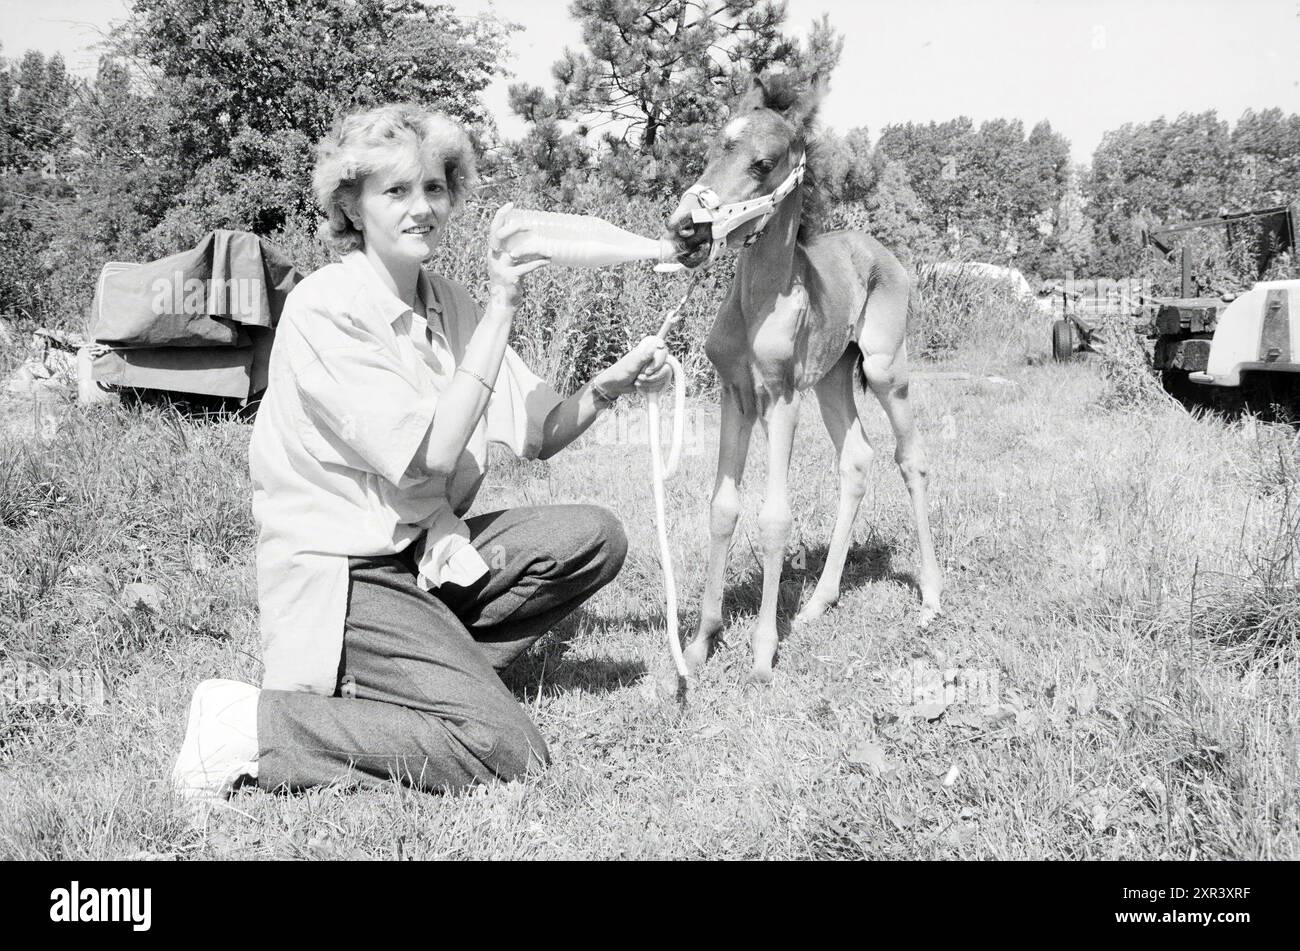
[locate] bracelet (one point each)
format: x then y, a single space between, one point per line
490 387
601 394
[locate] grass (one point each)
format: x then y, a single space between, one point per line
1127 572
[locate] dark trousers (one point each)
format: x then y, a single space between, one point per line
419 699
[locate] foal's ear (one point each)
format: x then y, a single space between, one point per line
787 94
756 97
807 97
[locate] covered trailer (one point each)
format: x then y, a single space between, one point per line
198 322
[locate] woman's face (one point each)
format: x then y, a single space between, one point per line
403 209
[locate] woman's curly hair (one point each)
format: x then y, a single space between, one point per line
364 142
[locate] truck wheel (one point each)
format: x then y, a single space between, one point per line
1062 340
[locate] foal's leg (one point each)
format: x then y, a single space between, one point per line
780 417
854 454
733 446
887 376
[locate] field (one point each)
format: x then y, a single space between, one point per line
1120 640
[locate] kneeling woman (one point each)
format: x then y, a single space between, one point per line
385 616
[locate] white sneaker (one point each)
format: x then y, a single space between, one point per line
220 742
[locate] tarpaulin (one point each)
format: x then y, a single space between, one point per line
200 321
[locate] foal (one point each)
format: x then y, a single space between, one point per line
826 312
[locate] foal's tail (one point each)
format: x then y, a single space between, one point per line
861 388
859 374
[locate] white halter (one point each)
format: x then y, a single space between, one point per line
727 218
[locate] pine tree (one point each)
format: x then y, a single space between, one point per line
654 78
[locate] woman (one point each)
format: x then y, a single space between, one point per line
385 616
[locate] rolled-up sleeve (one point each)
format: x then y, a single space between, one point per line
520 403
368 408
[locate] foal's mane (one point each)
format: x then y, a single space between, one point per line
815 200
796 99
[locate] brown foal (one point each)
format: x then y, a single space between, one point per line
823 312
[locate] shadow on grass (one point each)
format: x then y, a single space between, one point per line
546 667
865 563
192 407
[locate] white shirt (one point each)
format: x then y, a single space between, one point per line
354 379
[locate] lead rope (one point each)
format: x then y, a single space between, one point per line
661 473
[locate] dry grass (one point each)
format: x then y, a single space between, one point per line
1132 382
961 309
1124 571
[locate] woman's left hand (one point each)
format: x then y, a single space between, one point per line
504 271
644 367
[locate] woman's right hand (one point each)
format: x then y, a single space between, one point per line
504 272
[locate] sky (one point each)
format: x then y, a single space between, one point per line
1085 65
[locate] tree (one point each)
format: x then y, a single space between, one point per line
204 117
1071 245
991 191
1267 148
894 216
1039 193
994 165
270 65
847 164
654 78
247 86
122 178
1144 174
34 114
35 96
933 156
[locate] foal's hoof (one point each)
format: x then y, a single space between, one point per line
928 614
668 681
665 686
673 685
811 611
696 653
758 677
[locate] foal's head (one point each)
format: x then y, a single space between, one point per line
757 149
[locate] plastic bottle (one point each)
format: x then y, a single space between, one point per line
581 240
